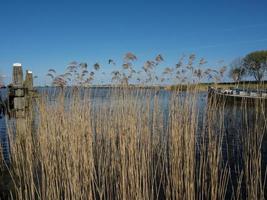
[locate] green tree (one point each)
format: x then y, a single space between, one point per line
255 64
237 70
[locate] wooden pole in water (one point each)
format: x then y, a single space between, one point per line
17 74
21 96
17 92
28 83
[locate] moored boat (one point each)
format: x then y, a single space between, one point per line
236 95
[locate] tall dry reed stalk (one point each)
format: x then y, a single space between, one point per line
128 146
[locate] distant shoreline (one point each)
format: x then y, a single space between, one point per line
180 87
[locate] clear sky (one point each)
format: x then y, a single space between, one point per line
50 34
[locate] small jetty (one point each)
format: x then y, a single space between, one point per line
237 95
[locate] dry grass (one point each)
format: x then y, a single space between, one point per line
127 148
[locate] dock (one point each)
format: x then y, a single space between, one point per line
237 95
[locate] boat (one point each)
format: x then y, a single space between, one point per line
237 95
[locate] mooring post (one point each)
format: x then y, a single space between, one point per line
20 97
28 83
17 93
17 75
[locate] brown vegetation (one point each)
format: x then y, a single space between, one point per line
129 146
123 149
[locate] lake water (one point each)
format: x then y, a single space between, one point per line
101 96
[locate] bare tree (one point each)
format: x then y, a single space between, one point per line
2 80
237 69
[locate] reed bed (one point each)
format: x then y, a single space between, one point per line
132 147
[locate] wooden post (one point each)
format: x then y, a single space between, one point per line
17 74
17 93
20 97
28 83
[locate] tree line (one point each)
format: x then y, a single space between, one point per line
252 65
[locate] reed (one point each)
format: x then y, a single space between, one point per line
136 143
127 147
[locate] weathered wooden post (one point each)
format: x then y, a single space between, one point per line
20 97
16 94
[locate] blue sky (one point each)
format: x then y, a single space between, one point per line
50 34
